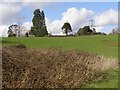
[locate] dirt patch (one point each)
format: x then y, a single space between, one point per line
51 68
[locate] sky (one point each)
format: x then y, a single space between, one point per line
78 14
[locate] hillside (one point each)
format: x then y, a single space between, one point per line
102 45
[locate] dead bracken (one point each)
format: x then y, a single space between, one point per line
49 68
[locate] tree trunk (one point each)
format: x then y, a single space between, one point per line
66 32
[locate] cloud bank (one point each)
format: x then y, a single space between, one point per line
107 17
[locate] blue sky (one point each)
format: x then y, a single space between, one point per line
54 10
105 13
98 7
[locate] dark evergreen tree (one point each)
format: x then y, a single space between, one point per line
37 18
39 28
43 18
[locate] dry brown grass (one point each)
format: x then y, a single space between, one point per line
50 68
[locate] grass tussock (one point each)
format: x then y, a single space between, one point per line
50 68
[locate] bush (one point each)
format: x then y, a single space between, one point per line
84 31
12 35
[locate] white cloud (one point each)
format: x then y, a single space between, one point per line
27 25
75 17
106 18
54 27
3 30
106 21
10 12
98 29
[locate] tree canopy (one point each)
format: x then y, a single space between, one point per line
84 31
39 28
87 31
67 28
13 30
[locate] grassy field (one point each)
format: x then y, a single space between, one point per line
102 45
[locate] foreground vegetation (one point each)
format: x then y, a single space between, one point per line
53 68
102 45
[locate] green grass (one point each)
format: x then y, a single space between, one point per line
109 80
103 45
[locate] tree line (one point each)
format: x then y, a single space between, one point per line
39 28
